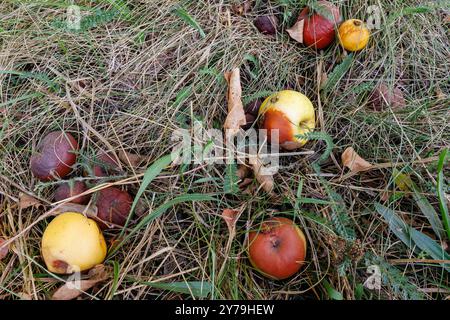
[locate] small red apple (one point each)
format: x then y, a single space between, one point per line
70 189
104 165
114 206
278 248
55 155
319 27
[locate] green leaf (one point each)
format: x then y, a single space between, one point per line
333 294
428 245
230 181
186 17
197 289
151 173
19 99
158 212
397 225
441 193
338 72
181 96
403 182
411 236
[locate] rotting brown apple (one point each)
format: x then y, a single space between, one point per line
277 249
71 189
54 157
114 206
104 164
267 24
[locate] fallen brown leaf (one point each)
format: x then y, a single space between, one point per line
236 115
3 249
71 290
242 8
230 216
296 31
243 171
266 181
131 159
26 201
354 162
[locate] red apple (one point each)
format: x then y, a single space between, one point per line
70 189
319 28
114 206
278 248
54 157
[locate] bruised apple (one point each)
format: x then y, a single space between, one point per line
104 165
292 114
278 248
54 157
354 35
114 206
71 189
72 243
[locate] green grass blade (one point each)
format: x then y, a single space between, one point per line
431 247
197 289
186 17
151 173
422 202
397 225
441 193
195 197
19 99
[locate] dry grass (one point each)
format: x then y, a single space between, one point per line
115 86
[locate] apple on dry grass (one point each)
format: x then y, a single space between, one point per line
277 248
72 243
292 114
54 157
114 206
353 35
71 189
104 165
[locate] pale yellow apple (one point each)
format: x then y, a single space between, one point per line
72 242
292 113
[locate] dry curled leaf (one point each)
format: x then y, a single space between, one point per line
243 171
265 180
354 162
230 216
296 31
26 201
383 96
236 115
134 160
3 248
72 289
242 8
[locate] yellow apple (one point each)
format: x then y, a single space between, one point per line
290 112
72 242
353 35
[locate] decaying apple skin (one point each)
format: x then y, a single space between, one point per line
55 155
278 248
114 206
67 190
383 96
266 24
105 165
319 31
